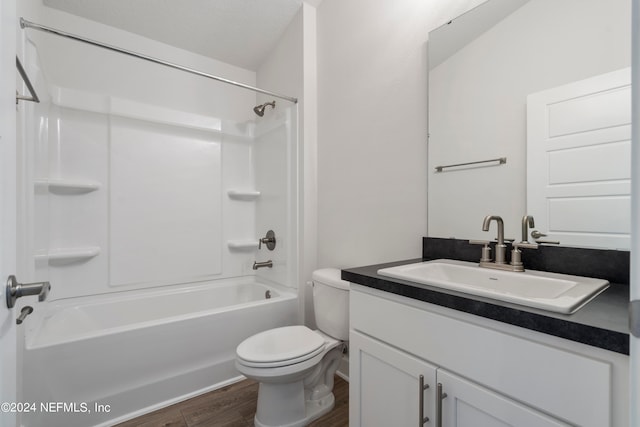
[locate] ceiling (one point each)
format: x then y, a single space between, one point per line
457 33
238 32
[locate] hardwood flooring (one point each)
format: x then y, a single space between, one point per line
233 406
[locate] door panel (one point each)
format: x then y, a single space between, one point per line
578 168
384 385
469 405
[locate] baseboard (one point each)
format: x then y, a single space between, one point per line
343 369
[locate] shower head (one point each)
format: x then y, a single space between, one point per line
259 109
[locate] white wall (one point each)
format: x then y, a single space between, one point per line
372 118
477 104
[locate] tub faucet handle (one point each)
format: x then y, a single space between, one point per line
17 290
269 240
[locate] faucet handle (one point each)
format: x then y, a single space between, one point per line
516 255
269 240
525 245
479 242
486 250
15 290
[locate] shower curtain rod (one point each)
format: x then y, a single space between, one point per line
27 24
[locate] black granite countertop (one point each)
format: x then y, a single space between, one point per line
603 322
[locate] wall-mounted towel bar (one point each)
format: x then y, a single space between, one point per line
25 79
500 160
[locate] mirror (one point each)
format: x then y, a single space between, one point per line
482 67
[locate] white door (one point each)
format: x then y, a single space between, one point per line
468 405
384 386
7 205
578 168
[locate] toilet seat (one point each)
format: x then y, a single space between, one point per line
280 347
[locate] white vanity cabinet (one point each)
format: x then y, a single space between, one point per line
389 384
493 374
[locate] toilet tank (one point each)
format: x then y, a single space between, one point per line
331 303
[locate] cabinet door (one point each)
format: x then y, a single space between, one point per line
469 405
384 385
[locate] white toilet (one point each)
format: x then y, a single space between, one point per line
294 364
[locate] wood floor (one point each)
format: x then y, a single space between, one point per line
233 406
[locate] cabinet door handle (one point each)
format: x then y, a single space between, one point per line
422 419
439 398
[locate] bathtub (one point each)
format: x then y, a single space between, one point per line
95 361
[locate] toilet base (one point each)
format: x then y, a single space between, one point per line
295 395
298 403
314 409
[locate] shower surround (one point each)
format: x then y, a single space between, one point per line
144 193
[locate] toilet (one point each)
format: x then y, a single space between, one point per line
294 364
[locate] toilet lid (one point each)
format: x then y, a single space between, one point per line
286 344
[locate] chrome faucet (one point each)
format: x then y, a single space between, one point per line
257 265
501 248
527 221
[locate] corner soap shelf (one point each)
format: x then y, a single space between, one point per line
243 194
66 186
68 255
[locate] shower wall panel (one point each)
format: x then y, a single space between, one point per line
165 210
72 192
135 195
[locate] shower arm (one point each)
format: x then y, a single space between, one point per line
27 24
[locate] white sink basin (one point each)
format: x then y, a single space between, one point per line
560 293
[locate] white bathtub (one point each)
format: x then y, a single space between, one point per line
136 351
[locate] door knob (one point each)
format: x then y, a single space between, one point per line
536 234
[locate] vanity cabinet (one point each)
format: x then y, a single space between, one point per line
389 385
492 374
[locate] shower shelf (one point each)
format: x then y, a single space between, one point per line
65 186
68 255
242 245
243 194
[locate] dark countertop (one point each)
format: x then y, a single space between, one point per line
603 322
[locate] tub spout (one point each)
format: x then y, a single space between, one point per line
257 265
26 310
